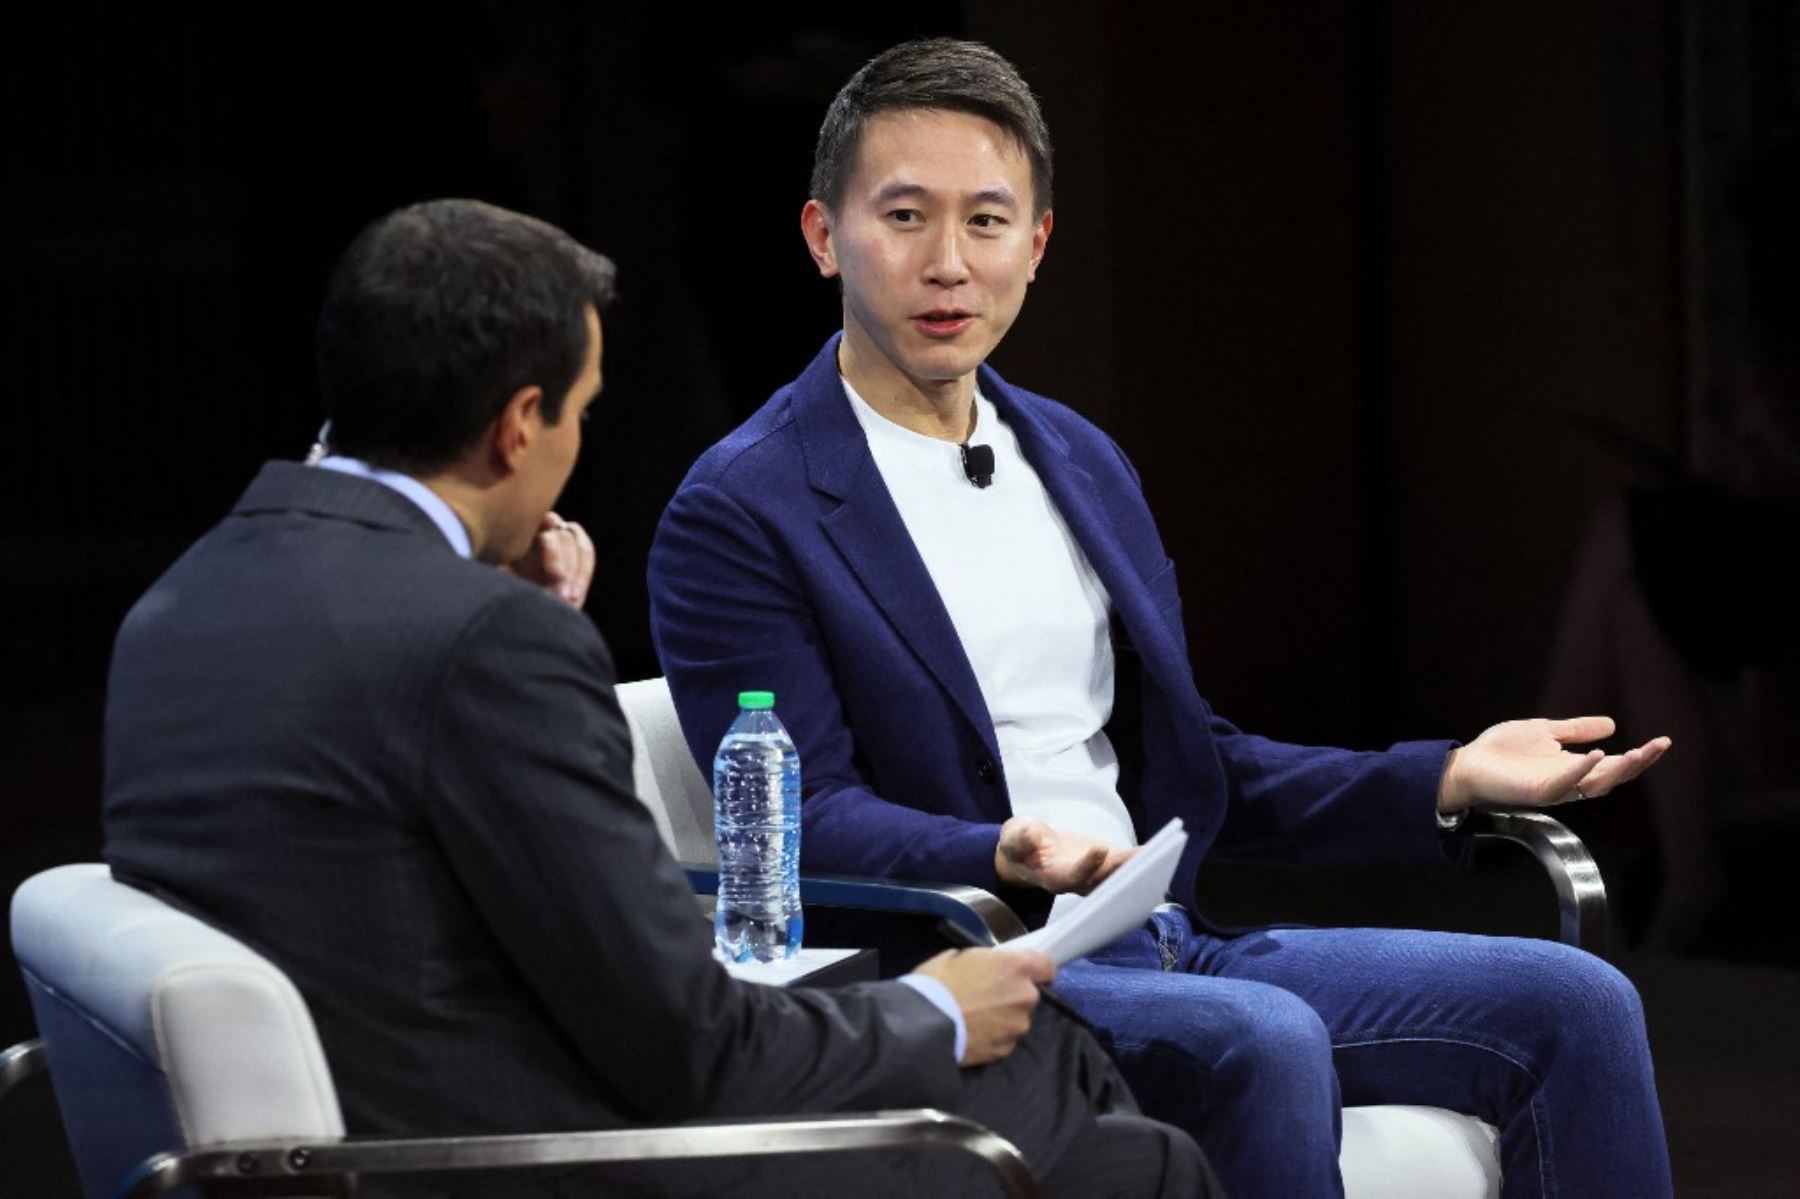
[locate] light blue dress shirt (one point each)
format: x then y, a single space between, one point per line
425 498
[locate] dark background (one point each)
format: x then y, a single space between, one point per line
1349 282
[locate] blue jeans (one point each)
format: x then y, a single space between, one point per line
1252 1043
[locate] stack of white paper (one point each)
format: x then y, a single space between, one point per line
1116 906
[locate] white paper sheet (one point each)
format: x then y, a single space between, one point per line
1116 906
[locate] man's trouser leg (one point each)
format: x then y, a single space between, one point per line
1240 1040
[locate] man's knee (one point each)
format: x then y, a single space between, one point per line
1599 1006
1570 986
1268 1034
1243 1037
1566 1005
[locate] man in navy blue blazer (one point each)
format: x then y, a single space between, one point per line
960 598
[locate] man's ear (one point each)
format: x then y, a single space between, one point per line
815 226
1040 241
514 430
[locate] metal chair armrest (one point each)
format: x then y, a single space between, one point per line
20 1062
1580 891
252 1165
978 912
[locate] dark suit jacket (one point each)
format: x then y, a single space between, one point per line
783 564
403 777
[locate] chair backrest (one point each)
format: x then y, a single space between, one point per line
665 774
162 1032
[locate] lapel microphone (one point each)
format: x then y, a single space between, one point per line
978 463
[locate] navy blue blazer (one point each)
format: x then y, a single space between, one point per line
783 564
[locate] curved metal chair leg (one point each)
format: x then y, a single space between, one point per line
20 1062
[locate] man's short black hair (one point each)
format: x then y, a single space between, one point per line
934 73
438 314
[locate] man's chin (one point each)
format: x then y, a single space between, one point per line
947 362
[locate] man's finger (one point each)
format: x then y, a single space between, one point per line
558 566
1004 1045
1027 846
1622 768
1603 778
1018 837
1115 858
938 959
1040 968
1578 730
1081 875
585 558
578 562
1560 787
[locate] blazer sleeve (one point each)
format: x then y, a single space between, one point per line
1311 805
729 611
528 790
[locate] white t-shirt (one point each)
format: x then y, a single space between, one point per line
1030 612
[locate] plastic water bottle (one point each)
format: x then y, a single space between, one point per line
756 821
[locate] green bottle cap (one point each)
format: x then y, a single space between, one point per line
756 701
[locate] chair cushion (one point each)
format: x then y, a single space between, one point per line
1398 1151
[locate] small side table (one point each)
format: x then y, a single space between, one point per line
812 967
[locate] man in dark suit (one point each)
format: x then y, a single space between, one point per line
335 730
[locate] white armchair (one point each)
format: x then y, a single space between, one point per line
179 1056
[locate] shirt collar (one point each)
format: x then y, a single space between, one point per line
427 500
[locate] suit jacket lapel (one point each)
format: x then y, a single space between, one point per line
868 531
1084 508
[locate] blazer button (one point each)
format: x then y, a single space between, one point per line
986 771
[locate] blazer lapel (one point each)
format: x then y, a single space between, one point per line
1084 508
867 529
